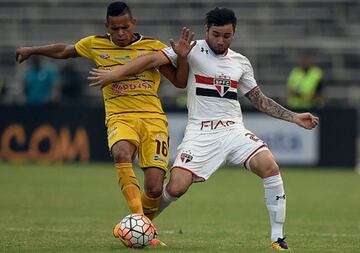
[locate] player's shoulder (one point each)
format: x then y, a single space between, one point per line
200 43
149 42
91 39
236 55
102 37
148 38
105 37
200 47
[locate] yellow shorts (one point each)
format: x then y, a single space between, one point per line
150 136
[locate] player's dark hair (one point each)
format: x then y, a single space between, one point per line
118 9
220 16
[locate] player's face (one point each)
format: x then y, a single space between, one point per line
121 29
219 38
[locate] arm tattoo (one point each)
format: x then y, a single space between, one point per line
269 106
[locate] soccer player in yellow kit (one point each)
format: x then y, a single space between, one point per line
136 123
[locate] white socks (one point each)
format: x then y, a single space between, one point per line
276 204
165 200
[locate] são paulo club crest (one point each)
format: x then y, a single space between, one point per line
186 156
222 84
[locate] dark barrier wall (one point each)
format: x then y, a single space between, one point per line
77 133
338 133
53 133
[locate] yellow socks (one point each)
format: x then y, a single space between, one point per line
129 186
150 205
137 202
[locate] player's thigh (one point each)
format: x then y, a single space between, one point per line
264 165
201 154
122 136
180 181
154 144
242 146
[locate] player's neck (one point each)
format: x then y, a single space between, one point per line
217 54
135 38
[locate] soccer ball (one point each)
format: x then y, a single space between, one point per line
137 230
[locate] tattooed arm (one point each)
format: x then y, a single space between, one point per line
270 107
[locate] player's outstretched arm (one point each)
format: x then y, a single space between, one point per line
57 51
102 77
270 107
182 48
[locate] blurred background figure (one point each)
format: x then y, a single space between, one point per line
71 84
2 89
305 85
41 83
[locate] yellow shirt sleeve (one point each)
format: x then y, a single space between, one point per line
160 45
84 47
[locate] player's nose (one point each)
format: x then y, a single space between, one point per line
120 32
220 42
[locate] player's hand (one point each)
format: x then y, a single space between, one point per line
306 120
22 54
183 47
100 77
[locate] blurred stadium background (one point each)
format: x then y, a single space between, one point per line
63 198
272 34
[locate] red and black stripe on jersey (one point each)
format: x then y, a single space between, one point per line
220 91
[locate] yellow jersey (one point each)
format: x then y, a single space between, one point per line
131 96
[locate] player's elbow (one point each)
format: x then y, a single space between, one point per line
65 51
181 81
180 85
61 55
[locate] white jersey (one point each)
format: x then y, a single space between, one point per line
213 85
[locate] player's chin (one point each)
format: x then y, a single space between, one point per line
219 50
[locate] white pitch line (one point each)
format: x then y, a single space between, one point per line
167 232
327 235
20 229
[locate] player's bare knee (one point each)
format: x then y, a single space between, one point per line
271 169
154 191
122 156
176 190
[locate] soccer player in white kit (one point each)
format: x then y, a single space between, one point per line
215 133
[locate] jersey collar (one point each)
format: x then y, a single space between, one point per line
137 38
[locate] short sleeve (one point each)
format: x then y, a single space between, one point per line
83 47
171 55
160 45
247 80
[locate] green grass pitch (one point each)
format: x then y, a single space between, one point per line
73 207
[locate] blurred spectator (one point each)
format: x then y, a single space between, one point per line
305 85
71 83
41 83
2 89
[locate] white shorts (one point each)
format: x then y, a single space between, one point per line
202 153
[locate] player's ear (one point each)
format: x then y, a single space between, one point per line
206 29
134 22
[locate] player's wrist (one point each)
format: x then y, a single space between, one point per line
182 58
296 118
113 75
